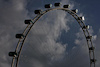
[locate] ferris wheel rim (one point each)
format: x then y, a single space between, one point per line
36 19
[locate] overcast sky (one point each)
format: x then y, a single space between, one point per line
56 40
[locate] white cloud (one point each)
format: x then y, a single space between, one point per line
95 39
45 33
97 49
12 17
13 13
19 5
41 47
81 38
77 41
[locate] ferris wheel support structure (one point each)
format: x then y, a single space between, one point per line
22 37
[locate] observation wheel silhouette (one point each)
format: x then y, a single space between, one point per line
30 23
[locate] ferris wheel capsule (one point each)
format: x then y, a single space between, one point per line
66 6
20 36
81 18
48 5
93 60
75 10
12 54
28 21
86 27
91 48
57 4
88 37
37 11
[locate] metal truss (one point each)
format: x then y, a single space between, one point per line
84 27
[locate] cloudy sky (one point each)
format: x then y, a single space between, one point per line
55 40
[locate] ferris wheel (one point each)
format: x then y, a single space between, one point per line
30 23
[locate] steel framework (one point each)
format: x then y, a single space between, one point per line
21 41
